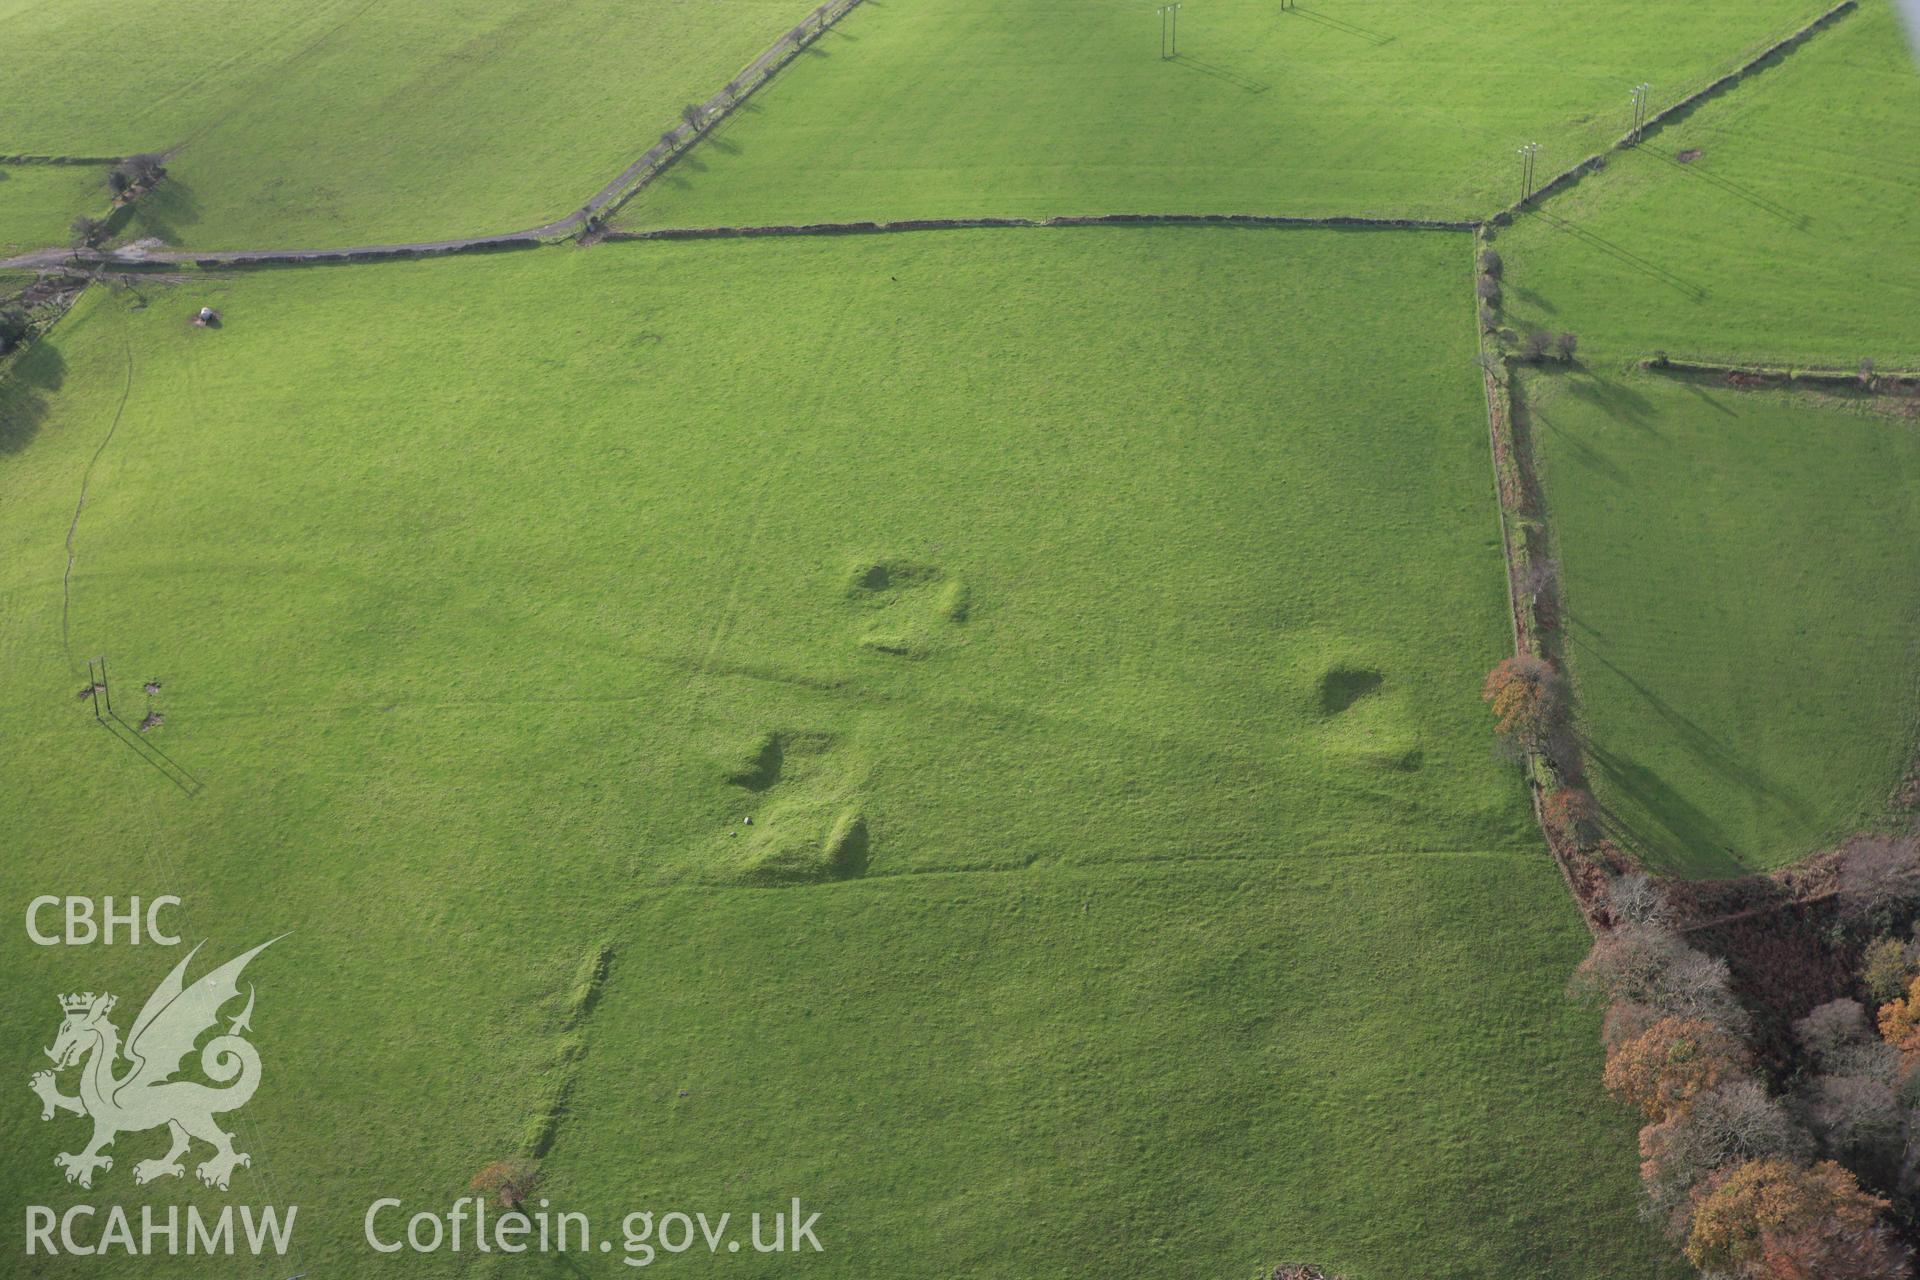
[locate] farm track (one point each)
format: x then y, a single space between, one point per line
73 526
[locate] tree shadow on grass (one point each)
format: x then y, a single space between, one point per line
1534 298
1710 751
1580 451
1694 833
1700 394
1683 835
163 212
1615 399
23 395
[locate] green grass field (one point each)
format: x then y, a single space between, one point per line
944 108
37 201
1739 567
1744 591
1189 622
341 122
1178 1071
977 730
522 580
1789 237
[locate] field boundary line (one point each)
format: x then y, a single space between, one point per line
1569 177
87 161
1335 221
682 138
1787 374
1513 497
213 260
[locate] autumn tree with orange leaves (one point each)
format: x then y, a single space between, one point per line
1900 1024
1666 1066
1524 693
1771 1220
1573 815
508 1181
1834 1253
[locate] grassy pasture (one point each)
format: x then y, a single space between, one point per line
1171 1071
1218 592
1790 236
1744 593
929 108
487 596
37 201
341 122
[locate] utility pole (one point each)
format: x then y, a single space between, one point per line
93 687
1170 30
1526 155
1640 92
106 683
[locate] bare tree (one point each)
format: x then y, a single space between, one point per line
88 232
1490 264
1543 573
1626 1021
1565 345
137 173
1859 1121
1879 876
1635 898
1832 1027
1646 964
1699 986
1734 1121
1872 1059
1534 345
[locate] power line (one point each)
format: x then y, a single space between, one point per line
1169 30
1526 154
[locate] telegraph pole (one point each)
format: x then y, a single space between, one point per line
1640 92
1170 30
1526 155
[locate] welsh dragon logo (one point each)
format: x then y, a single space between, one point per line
146 1096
